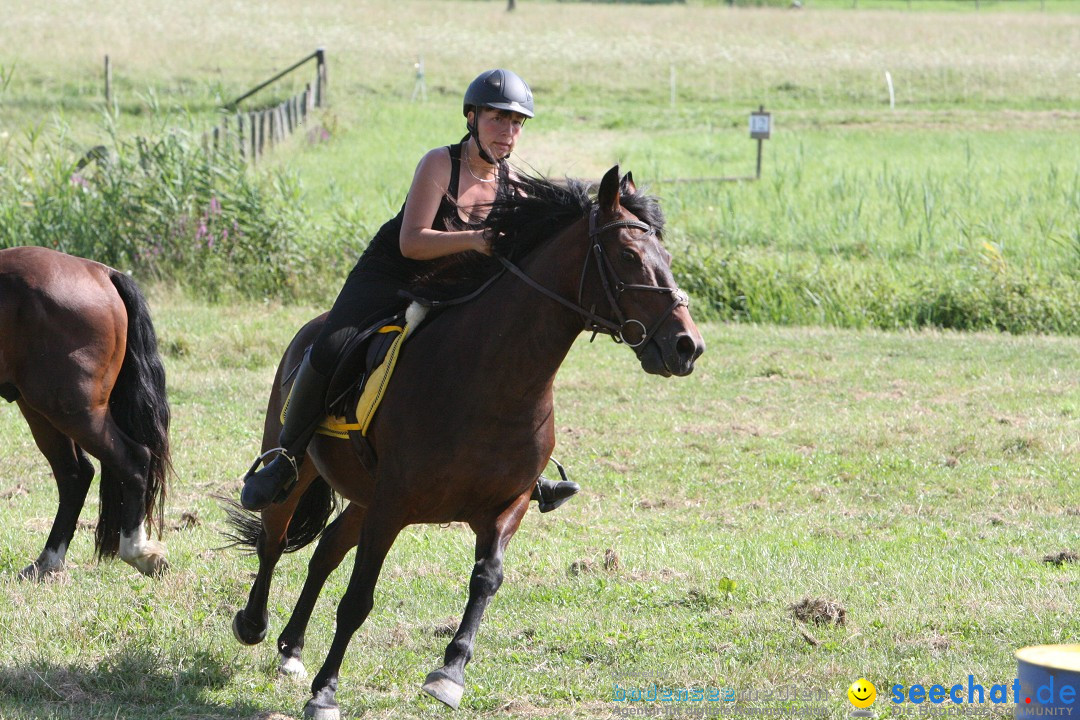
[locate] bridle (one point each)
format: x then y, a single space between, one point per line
613 288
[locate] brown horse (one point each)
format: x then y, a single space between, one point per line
469 422
78 353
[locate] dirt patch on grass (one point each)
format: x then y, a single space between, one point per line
1061 557
819 611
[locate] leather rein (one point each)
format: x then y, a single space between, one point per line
613 289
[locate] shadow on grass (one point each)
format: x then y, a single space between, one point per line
133 683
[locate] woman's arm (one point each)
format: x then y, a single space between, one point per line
429 185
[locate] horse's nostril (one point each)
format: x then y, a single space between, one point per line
687 348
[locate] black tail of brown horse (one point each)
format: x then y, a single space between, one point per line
140 407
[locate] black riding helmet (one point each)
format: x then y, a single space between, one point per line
501 90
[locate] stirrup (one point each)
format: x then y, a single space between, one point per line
281 492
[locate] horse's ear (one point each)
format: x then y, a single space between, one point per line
627 185
608 199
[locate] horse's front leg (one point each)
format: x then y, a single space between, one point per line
447 684
73 472
381 526
250 624
336 541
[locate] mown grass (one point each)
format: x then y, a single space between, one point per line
916 479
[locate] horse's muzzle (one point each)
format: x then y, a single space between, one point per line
672 355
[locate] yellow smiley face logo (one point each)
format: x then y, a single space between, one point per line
862 693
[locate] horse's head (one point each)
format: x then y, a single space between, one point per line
632 278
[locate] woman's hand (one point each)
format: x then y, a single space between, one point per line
486 244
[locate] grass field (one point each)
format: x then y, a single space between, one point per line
916 480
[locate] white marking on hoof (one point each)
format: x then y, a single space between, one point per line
48 563
292 667
317 713
443 689
145 555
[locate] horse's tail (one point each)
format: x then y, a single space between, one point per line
140 408
310 518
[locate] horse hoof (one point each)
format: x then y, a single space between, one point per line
242 634
443 689
36 573
152 565
292 667
313 711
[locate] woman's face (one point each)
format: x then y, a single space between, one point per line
499 130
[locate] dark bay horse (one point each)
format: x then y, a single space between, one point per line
468 424
79 356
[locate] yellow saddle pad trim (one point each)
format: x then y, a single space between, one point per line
375 387
372 395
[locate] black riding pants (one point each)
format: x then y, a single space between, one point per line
370 294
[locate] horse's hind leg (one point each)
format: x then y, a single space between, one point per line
250 624
124 467
73 472
447 684
339 537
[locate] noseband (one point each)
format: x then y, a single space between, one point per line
613 288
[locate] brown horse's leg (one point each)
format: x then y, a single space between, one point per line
124 467
73 472
337 540
447 684
380 528
250 624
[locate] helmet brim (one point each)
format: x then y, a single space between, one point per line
510 106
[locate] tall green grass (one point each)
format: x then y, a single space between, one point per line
165 209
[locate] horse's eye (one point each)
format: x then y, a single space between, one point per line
629 256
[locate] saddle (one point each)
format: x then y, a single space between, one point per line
361 377
363 373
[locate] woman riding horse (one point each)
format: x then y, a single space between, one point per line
441 216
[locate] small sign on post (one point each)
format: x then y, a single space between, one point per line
760 129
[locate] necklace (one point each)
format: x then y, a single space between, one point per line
468 164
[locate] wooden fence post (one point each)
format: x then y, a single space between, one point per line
320 78
108 84
253 139
240 134
262 133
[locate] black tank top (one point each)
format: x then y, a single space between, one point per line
383 254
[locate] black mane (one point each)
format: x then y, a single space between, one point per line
527 211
